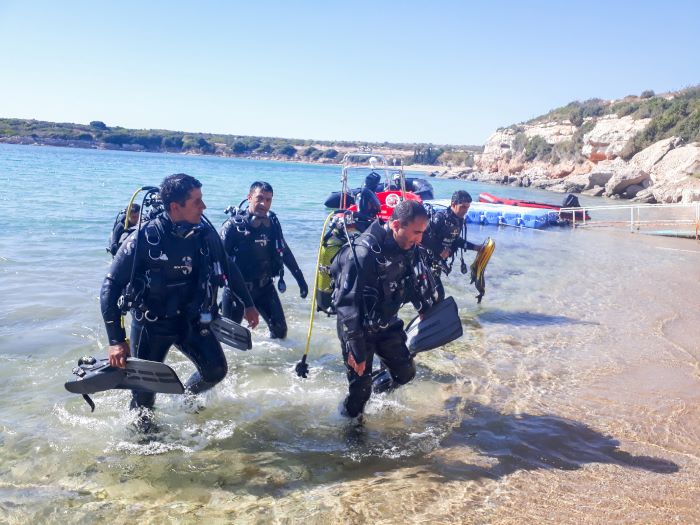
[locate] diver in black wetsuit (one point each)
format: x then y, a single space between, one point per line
443 237
253 240
119 233
368 205
375 276
178 263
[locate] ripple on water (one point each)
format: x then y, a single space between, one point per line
570 397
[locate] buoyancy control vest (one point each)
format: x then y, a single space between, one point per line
444 229
178 269
397 276
255 244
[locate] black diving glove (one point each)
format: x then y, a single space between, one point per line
303 287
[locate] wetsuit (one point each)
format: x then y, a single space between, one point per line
257 246
443 233
178 269
369 291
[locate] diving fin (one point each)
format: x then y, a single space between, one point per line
440 325
231 333
479 265
150 376
96 375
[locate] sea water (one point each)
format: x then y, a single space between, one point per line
573 396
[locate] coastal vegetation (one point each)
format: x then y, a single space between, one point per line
674 114
97 134
677 116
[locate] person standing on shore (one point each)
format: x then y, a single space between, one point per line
443 237
375 275
254 241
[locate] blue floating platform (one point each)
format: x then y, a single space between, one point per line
501 214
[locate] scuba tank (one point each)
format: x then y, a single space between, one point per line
340 232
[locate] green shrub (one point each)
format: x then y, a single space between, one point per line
576 117
287 150
239 148
567 150
330 153
519 142
623 109
679 116
537 148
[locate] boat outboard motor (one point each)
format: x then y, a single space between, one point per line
422 188
335 199
571 201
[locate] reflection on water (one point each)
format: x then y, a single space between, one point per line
573 395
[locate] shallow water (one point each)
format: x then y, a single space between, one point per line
573 396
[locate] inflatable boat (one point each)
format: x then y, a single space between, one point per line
571 201
420 187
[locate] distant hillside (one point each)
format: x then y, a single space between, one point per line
98 135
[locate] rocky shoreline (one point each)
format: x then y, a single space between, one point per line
667 171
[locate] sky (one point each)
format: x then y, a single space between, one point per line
441 72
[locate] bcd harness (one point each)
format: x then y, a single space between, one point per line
455 231
147 295
242 221
379 306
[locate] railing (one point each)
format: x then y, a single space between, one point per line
684 219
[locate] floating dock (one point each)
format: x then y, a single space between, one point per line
501 214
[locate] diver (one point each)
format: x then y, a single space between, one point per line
167 274
368 205
374 276
444 237
253 240
119 232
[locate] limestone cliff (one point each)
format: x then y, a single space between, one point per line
556 154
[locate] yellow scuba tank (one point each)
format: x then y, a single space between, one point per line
479 265
333 241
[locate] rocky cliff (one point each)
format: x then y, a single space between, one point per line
558 155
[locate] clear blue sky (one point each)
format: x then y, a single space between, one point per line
438 71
